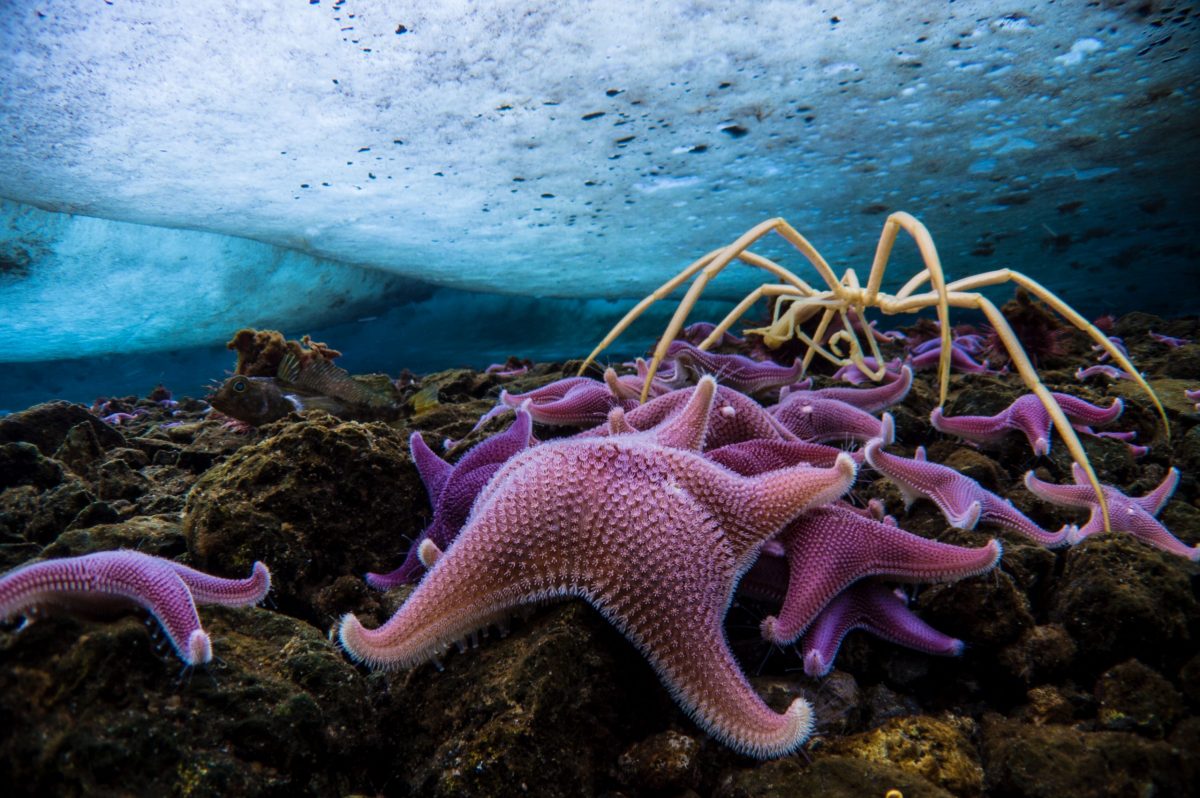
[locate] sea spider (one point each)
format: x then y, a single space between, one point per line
797 302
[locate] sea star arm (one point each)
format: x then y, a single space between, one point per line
735 371
457 486
814 418
434 471
1064 495
960 360
876 608
571 401
759 456
209 589
1083 412
1155 500
987 430
870 400
830 548
667 589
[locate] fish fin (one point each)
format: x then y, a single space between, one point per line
322 376
329 404
289 368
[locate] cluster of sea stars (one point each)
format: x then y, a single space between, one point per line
656 516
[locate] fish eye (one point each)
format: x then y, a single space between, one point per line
239 385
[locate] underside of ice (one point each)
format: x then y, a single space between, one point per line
175 170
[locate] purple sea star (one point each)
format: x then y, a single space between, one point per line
1131 514
650 533
1170 341
452 490
753 457
814 418
735 371
1026 414
855 376
830 548
573 401
883 611
960 360
696 332
734 417
962 500
870 400
1103 370
112 581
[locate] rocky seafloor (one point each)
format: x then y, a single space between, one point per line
1081 676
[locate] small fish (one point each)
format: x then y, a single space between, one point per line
319 385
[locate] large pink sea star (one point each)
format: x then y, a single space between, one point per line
644 528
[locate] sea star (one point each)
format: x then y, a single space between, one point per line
1103 370
753 457
961 499
855 376
1169 340
734 417
1132 514
1026 414
645 529
697 331
111 581
830 548
870 400
735 371
814 418
960 360
571 401
883 611
452 490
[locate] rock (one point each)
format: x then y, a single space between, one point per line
828 777
29 517
1189 679
1119 598
984 611
115 479
80 449
882 704
317 500
91 708
1048 705
1052 761
938 750
1042 652
161 536
976 465
837 705
1135 698
22 464
663 761
46 426
540 712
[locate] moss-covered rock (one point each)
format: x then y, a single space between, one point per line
92 708
1120 599
317 500
1052 760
